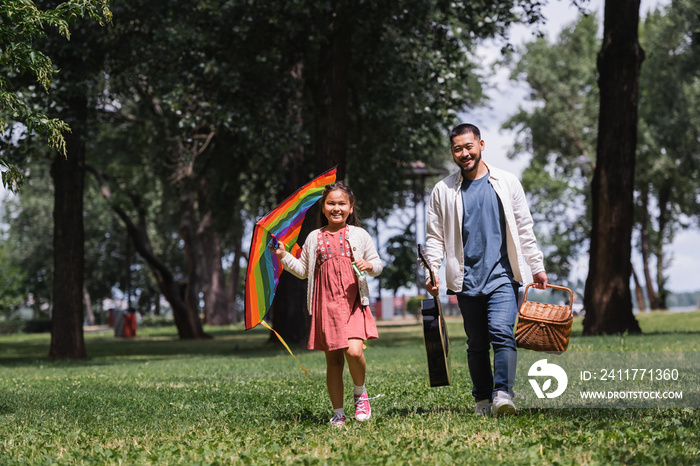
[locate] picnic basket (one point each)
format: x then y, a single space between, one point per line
544 327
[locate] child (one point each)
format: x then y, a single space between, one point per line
340 315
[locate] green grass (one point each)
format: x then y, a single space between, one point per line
238 400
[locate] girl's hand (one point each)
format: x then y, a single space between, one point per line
363 265
280 252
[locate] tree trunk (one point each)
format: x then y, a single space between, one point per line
651 292
331 96
331 141
186 318
235 278
89 314
213 280
192 251
68 175
607 296
664 195
641 305
291 319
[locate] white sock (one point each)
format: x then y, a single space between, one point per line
359 389
340 412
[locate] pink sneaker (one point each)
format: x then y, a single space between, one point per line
362 409
338 421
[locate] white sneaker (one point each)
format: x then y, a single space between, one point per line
502 404
338 421
483 407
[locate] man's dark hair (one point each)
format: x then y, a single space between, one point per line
464 128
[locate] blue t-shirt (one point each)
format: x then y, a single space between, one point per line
486 265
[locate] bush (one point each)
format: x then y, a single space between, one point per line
156 321
413 305
38 326
11 326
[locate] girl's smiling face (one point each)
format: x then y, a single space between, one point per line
337 207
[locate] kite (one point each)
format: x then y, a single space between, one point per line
283 224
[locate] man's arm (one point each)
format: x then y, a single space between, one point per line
528 242
434 242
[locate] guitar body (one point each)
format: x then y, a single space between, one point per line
437 345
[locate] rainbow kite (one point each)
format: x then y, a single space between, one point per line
282 224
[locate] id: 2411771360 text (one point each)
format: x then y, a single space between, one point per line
630 374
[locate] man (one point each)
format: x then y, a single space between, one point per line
480 223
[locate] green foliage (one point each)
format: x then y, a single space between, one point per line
235 399
413 306
400 270
684 299
28 240
668 160
560 133
21 23
12 279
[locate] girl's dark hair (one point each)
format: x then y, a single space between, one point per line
353 218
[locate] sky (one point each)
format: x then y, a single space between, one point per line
507 96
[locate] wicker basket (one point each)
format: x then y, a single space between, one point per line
544 327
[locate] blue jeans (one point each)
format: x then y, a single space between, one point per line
489 321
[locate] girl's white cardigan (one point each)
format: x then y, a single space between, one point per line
362 248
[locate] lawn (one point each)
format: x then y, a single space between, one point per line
238 400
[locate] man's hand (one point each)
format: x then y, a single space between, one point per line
540 280
433 290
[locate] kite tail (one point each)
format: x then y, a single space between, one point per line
265 324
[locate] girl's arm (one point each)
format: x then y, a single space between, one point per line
370 261
297 267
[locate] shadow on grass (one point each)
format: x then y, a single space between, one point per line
421 411
104 349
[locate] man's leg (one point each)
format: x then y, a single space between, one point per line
476 327
502 311
503 308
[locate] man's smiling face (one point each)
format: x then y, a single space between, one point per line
466 151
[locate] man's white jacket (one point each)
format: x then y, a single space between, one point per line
444 228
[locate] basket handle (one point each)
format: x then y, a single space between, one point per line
563 288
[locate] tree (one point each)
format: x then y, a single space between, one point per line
241 117
667 153
373 113
20 24
218 74
401 261
560 133
607 296
28 238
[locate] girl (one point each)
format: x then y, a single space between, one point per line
340 315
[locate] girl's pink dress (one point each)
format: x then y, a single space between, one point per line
338 314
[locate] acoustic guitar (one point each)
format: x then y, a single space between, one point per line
437 346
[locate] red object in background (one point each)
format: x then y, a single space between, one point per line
110 319
129 324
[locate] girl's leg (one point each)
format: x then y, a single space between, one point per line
356 361
335 363
358 369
